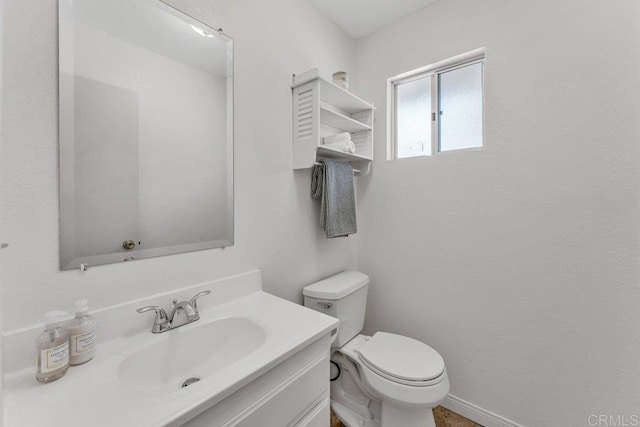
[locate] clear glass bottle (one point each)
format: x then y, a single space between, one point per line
53 348
82 331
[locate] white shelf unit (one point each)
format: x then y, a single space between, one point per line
320 109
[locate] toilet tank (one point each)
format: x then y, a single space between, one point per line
343 296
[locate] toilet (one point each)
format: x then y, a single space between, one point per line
379 381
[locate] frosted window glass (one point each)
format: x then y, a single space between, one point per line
413 118
461 108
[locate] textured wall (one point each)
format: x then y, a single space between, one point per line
519 262
276 222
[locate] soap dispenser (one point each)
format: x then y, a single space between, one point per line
53 348
82 331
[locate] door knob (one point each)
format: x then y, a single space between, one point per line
128 244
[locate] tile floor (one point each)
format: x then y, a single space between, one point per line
444 418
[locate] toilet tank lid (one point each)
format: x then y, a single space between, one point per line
338 286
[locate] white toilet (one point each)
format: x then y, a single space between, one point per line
380 381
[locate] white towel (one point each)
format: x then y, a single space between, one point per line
341 137
346 146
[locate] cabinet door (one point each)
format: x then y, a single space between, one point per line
293 400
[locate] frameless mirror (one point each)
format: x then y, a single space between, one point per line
146 132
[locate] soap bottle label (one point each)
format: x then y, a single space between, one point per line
54 358
82 343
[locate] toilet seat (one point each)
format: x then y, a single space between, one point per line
402 360
385 387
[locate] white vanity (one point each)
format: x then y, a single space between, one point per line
257 360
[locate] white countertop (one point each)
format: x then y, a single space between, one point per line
92 395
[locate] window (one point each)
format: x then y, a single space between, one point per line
437 108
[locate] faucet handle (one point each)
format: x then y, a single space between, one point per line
161 322
193 302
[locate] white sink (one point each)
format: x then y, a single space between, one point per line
190 352
243 333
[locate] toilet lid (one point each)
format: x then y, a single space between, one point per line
401 357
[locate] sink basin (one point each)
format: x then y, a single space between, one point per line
190 354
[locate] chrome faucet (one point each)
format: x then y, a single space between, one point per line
163 323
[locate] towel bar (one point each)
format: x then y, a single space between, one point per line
355 171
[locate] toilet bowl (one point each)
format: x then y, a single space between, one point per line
381 380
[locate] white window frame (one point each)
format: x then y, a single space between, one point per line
432 71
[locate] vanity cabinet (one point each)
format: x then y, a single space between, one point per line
321 109
293 393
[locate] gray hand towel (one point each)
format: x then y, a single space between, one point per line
332 183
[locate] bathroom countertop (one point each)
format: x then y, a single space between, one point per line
92 395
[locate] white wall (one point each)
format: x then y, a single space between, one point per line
519 262
276 222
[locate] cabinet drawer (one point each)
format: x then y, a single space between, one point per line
319 416
291 400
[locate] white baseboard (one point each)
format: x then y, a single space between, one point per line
476 413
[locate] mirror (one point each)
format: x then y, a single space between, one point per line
146 132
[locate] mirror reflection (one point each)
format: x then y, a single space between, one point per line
146 132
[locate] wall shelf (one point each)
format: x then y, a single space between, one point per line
340 98
331 153
341 122
320 109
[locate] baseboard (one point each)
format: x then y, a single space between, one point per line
476 413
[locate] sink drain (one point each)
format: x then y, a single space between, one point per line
189 381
